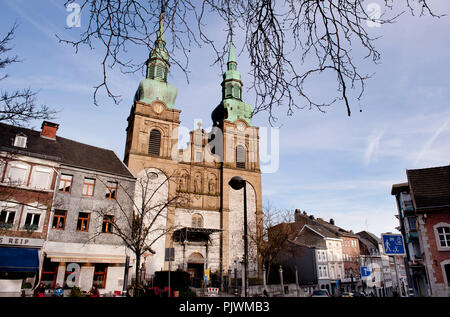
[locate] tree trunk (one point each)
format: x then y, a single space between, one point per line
137 282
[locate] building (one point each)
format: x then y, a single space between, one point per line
350 255
416 272
379 282
206 222
28 173
424 212
328 246
52 192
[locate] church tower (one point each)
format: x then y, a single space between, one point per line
240 157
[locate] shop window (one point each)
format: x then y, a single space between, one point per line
88 187
49 273
59 219
100 275
111 190
83 221
107 226
65 183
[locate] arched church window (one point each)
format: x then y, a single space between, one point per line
240 156
154 145
197 221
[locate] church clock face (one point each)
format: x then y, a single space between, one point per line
158 108
241 126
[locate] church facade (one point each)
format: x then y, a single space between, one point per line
203 218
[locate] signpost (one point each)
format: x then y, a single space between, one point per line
170 256
393 246
365 271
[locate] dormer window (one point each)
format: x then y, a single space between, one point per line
20 141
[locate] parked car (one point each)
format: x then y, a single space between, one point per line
320 293
347 294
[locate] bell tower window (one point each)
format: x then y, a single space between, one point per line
154 145
240 156
237 92
228 92
151 71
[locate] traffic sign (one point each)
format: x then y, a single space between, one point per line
365 271
393 244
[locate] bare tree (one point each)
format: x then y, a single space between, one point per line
140 218
288 43
18 107
274 231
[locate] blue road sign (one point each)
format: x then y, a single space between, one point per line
393 244
365 271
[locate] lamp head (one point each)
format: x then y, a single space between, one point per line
237 182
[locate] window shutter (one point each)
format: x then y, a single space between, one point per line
240 156
154 145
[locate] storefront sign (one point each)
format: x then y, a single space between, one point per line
25 242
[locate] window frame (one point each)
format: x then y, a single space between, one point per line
241 164
107 223
33 214
437 235
65 181
88 219
88 186
58 219
42 170
103 273
20 141
8 215
109 190
152 137
21 166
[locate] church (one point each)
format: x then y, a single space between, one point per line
202 220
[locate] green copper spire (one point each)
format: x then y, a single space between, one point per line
155 86
232 107
231 56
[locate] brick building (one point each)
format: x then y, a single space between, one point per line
28 174
50 190
428 221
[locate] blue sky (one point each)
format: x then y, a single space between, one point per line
331 165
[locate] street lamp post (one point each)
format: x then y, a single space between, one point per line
351 277
238 183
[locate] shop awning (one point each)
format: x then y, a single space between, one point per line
19 260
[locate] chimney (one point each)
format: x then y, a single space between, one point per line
297 215
49 130
332 221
